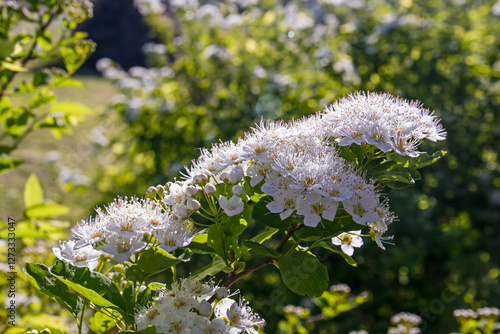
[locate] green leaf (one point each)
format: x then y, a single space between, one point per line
153 261
425 160
42 78
41 99
42 210
71 108
199 248
48 284
100 323
261 249
234 226
8 163
214 267
346 153
6 48
33 193
67 82
150 330
262 214
331 247
218 241
155 286
402 175
14 67
94 286
75 56
303 274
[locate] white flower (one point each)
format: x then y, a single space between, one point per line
145 316
193 204
233 206
121 247
347 241
89 232
382 120
174 236
237 190
313 207
209 188
82 257
239 315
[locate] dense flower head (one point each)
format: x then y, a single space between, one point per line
390 123
119 229
184 309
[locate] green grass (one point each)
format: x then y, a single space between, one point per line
75 152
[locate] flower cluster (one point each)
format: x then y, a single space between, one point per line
491 314
184 308
390 123
119 231
405 323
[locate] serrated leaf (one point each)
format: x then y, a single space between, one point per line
303 274
261 249
33 193
48 284
92 285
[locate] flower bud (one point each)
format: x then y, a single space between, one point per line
180 211
45 331
210 188
200 178
221 292
191 191
236 175
224 176
160 189
193 204
237 190
151 192
205 308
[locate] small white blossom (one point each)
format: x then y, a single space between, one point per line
233 206
347 241
82 257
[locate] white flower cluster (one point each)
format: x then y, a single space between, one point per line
118 230
297 165
184 309
406 323
488 313
390 123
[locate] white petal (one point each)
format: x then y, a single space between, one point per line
347 249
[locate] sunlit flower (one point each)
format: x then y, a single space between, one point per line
347 241
82 257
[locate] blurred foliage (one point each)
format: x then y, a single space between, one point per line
221 65
27 38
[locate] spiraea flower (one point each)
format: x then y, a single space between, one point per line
89 232
83 257
389 123
233 206
174 235
122 247
348 241
184 309
239 315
